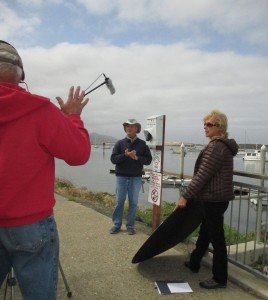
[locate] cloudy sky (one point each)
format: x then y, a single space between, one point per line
178 58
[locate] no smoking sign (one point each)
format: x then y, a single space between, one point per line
155 188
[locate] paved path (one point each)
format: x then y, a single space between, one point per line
97 265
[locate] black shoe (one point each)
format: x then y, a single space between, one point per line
114 230
131 231
188 265
211 284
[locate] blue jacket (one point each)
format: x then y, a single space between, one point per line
126 166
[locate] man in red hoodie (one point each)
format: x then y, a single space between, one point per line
33 132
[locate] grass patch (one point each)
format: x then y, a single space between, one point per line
106 200
233 237
81 194
146 215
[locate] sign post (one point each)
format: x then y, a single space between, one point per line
155 138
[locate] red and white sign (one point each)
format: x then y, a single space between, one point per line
155 188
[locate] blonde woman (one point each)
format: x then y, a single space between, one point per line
212 184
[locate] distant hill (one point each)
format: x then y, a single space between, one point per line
99 139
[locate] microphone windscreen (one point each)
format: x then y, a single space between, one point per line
110 86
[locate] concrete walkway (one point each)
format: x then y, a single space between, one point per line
97 265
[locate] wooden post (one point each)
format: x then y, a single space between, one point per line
157 208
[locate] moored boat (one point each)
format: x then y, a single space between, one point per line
241 152
146 175
254 156
169 180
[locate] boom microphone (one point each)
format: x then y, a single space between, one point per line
108 83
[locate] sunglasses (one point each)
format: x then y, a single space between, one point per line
211 124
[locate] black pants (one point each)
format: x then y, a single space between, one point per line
212 231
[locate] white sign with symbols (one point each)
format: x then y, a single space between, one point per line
156 161
155 188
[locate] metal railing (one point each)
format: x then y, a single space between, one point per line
246 220
246 223
246 229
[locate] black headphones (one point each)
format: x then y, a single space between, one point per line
19 64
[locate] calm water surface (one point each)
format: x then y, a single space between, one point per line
95 175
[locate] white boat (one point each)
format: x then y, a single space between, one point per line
254 156
95 142
194 148
241 152
169 179
254 201
146 175
178 151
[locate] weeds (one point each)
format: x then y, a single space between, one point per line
82 194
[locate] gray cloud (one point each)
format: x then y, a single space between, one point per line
180 82
182 79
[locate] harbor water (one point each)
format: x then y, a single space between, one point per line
96 176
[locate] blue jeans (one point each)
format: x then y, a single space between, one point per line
33 252
126 186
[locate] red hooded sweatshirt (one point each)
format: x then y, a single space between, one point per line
33 132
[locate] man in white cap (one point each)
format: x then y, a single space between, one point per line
33 131
129 155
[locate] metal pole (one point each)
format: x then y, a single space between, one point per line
182 160
69 293
259 212
12 283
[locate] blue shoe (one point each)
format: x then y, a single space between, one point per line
114 230
131 231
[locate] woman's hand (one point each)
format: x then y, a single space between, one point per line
181 203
